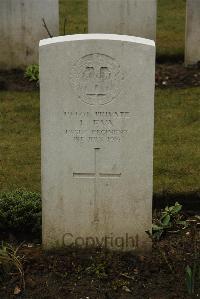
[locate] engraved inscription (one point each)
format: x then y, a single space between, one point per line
97 126
96 79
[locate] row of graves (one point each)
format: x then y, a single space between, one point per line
97 115
24 23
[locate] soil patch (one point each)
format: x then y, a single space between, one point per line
15 81
176 75
99 274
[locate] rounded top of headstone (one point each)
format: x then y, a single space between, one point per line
96 36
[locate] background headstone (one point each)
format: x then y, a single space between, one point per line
97 116
21 29
131 17
192 39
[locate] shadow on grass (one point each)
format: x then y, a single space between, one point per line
190 201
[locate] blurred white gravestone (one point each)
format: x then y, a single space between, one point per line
21 29
192 38
131 17
97 115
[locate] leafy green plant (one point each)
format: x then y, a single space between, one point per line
170 212
20 212
32 73
170 219
10 261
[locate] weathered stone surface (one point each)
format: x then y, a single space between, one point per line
192 38
21 29
132 17
97 115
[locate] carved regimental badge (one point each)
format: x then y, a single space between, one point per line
96 79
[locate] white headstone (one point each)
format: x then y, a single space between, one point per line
131 17
97 116
21 29
192 39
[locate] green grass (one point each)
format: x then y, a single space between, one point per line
170 28
75 12
176 156
177 139
170 24
20 141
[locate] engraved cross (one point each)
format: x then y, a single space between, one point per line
95 176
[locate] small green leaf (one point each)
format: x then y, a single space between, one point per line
177 208
166 220
166 209
184 223
171 208
189 280
156 227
